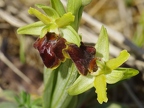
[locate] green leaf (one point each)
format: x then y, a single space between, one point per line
73 102
56 83
31 29
65 20
50 77
49 82
116 62
48 10
45 19
100 85
76 8
71 35
66 75
120 74
102 45
82 84
58 6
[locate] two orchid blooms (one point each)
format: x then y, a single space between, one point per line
58 41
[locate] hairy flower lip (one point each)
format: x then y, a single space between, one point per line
83 57
51 48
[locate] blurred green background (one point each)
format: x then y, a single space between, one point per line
21 68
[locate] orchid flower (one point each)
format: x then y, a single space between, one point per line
108 71
59 41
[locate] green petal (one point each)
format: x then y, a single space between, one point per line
120 74
102 45
45 19
114 76
44 31
129 72
71 35
65 20
82 84
31 29
49 28
116 62
49 11
100 85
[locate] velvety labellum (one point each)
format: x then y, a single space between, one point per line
51 48
83 57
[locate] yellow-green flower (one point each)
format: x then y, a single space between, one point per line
108 71
51 22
